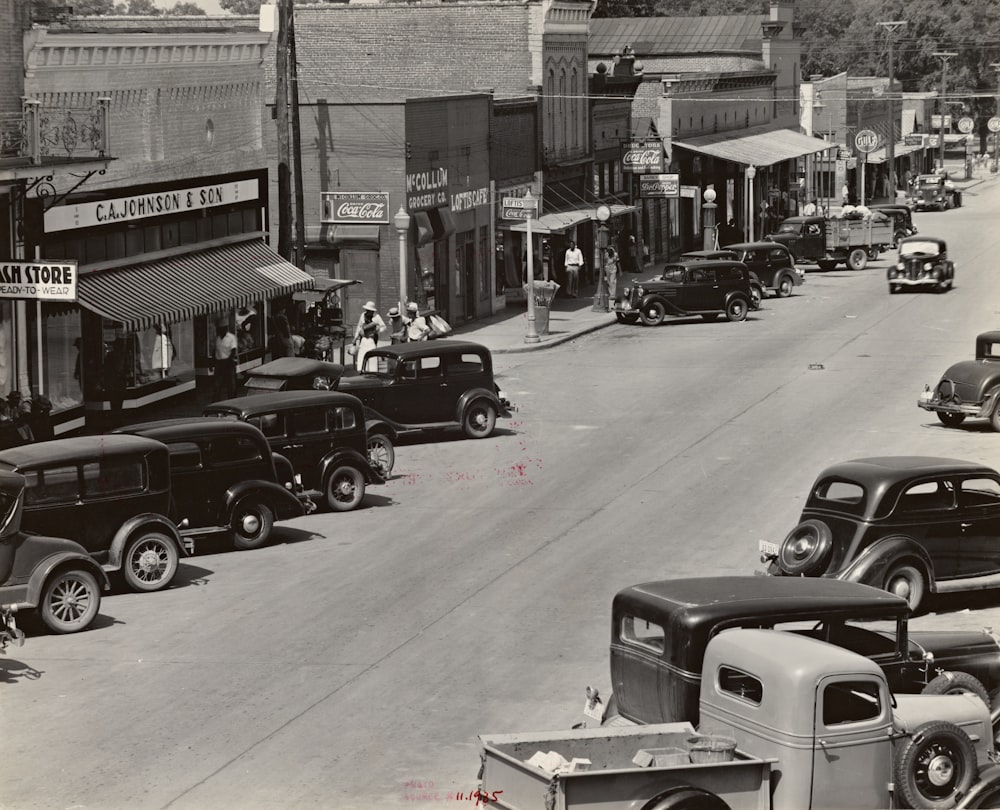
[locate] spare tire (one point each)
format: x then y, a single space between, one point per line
686 797
957 683
935 767
806 549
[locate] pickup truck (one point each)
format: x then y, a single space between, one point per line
934 191
798 724
830 241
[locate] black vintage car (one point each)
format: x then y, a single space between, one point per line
757 291
771 263
50 575
111 494
923 263
321 433
912 525
224 479
659 631
969 388
689 288
902 219
430 385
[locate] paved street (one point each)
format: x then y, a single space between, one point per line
365 651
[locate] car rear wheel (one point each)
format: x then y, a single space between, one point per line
826 265
907 581
381 454
629 318
995 416
785 287
479 420
936 766
736 309
251 523
70 601
957 683
857 259
950 419
653 313
150 562
345 489
806 549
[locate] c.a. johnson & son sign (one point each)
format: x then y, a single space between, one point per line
38 281
155 204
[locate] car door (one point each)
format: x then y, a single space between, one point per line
927 511
756 260
420 393
275 425
700 291
189 491
979 523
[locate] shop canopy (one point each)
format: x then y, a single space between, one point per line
179 287
562 221
757 146
878 156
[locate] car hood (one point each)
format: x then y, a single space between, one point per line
958 645
971 371
361 382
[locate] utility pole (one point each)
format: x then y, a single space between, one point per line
944 56
891 28
281 121
293 91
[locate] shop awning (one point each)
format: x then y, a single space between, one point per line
180 287
562 221
878 156
322 288
349 235
425 231
758 146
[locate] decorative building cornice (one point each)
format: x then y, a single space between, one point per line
116 50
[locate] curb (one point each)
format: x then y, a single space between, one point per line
534 347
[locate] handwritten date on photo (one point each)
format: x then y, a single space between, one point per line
423 791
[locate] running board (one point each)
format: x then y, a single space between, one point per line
968 584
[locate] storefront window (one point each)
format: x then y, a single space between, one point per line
7 379
56 359
150 359
248 326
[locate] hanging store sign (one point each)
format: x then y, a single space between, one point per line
38 281
143 206
660 186
642 157
343 207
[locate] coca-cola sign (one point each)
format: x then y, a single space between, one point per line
642 157
341 207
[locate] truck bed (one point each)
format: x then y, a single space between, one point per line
843 234
612 781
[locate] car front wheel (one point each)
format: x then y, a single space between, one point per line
736 309
907 581
785 287
150 562
653 313
479 419
949 419
70 602
251 523
345 489
630 318
381 454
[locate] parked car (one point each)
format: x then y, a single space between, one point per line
912 525
52 576
429 385
109 493
902 219
772 264
321 433
659 631
934 191
923 263
969 388
707 288
224 478
306 374
757 293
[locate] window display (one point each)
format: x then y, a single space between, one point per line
148 359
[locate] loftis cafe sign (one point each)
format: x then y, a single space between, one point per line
38 281
143 206
642 157
342 207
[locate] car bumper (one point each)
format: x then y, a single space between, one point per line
964 408
626 308
925 281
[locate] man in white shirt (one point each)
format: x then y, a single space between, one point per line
573 262
809 209
225 361
417 327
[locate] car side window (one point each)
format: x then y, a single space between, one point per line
430 367
185 456
342 418
308 421
851 702
740 684
54 485
776 255
465 364
113 477
232 450
812 229
408 370
639 632
980 492
270 424
927 495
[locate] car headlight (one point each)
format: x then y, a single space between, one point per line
640 291
928 266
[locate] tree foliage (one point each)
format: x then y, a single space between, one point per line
186 10
246 6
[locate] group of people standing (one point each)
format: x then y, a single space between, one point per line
411 326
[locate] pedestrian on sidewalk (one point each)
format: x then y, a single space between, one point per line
573 263
225 361
417 327
397 326
612 267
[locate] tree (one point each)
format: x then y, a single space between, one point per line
143 8
241 6
186 10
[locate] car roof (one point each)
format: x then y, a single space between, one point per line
721 253
918 238
704 264
993 336
762 244
273 400
886 471
76 448
168 430
420 348
296 367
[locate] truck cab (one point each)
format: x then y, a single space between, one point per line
934 192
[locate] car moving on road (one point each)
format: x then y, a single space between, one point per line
969 388
923 263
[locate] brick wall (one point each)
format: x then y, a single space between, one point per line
14 13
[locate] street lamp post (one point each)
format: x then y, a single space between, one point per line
530 205
708 224
944 56
751 174
601 295
402 224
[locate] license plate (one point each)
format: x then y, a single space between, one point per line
926 396
769 548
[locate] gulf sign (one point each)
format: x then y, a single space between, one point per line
642 157
661 186
344 207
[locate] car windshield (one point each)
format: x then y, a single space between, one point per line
380 365
675 274
919 248
789 227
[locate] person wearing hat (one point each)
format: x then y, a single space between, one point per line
224 356
397 326
368 315
417 327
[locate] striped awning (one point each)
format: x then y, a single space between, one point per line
180 287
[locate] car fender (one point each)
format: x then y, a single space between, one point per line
478 393
376 423
984 792
355 459
57 562
285 504
143 521
871 566
741 295
668 304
